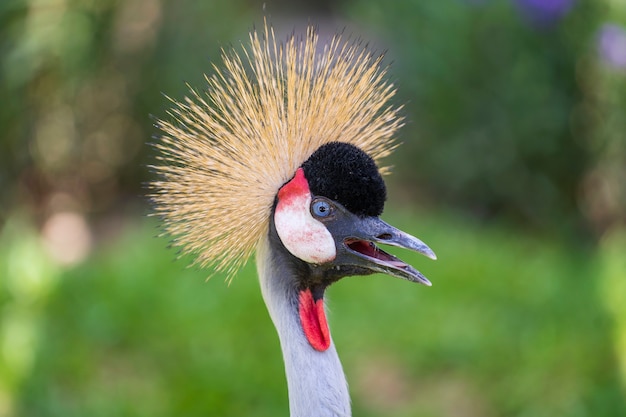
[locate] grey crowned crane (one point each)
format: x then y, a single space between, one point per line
279 156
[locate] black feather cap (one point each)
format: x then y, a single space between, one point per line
344 173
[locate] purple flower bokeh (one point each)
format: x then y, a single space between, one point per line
612 45
545 12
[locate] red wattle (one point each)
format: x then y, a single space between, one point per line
313 321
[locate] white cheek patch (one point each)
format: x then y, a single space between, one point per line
302 235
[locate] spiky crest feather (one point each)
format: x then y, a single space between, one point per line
227 151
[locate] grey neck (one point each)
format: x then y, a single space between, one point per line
316 382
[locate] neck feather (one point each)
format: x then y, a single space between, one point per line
316 382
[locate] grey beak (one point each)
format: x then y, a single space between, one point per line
357 238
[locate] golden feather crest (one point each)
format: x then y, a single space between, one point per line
227 151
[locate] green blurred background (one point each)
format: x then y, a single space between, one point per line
513 170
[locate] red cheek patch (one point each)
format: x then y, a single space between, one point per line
298 186
313 321
302 235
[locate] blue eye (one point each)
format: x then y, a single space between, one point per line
320 208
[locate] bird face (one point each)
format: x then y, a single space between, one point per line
326 217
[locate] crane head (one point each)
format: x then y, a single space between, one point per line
327 218
284 143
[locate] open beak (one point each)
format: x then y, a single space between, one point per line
357 239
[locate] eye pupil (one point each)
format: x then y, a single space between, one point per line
321 208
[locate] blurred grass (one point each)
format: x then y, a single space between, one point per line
513 325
